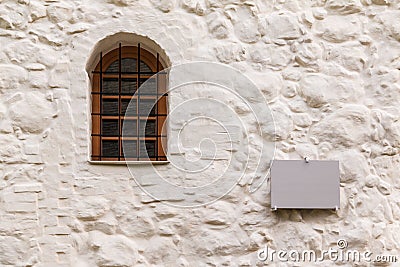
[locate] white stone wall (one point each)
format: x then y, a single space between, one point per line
330 70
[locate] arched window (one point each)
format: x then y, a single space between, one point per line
129 106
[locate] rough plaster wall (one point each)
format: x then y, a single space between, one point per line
58 210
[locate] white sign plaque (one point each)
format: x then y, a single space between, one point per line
304 184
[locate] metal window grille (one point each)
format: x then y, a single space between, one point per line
129 74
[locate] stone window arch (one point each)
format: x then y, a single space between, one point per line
129 106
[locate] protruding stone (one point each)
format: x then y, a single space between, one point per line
170 226
161 249
378 229
289 90
283 121
307 150
390 21
59 76
59 12
107 224
345 29
12 251
268 82
228 53
308 17
302 120
113 250
123 2
312 89
259 239
78 28
381 2
353 166
345 6
384 188
164 5
3 111
308 55
31 187
38 79
38 10
275 57
13 16
35 66
136 224
348 126
218 25
91 208
219 213
12 76
295 216
245 25
382 88
351 57
25 52
358 236
32 122
210 242
298 105
319 13
282 26
318 90
372 180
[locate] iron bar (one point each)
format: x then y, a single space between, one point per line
156 104
101 103
119 99
138 101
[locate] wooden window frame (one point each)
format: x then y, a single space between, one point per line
161 111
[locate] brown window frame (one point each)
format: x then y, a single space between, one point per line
160 109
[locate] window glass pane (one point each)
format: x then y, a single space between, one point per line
147 107
110 148
128 86
129 128
110 107
147 128
128 111
110 86
110 128
113 67
129 149
128 65
148 86
144 67
147 149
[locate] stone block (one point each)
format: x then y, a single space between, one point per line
57 230
21 207
27 197
28 187
90 208
338 29
12 76
28 121
113 250
282 26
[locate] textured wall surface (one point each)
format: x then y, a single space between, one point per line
329 69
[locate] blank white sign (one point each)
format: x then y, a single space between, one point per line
296 184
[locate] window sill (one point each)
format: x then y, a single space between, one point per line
96 162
